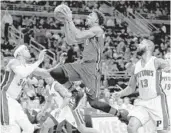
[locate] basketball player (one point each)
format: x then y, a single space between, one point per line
62 111
89 70
166 86
14 80
151 104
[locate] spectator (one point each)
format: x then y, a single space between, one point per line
163 30
7 21
158 12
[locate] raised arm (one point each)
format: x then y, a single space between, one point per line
131 86
25 71
21 70
76 36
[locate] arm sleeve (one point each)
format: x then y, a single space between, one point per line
24 71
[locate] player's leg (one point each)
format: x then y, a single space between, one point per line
138 118
160 113
134 125
59 75
49 123
75 118
16 112
93 86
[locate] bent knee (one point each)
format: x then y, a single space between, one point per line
134 125
59 75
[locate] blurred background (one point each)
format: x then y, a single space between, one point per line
127 22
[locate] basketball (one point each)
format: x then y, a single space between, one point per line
61 12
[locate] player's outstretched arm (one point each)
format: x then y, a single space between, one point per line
25 71
21 70
131 86
42 72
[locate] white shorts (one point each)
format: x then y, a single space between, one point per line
73 117
149 127
154 109
17 118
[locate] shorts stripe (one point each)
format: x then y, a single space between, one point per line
9 75
164 104
77 116
53 118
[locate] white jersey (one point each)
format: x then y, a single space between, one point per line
13 83
146 79
166 83
57 98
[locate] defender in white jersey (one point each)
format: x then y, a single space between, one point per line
61 97
151 104
166 86
15 76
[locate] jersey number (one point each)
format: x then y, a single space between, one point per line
144 83
167 86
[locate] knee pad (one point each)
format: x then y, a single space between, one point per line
59 75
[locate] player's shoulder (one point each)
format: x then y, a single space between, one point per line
13 62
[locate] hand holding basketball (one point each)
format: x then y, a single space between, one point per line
63 13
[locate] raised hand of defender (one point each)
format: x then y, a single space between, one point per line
42 55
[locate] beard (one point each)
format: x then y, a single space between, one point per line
141 52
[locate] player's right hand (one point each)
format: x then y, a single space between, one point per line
42 55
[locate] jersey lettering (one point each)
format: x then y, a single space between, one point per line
167 87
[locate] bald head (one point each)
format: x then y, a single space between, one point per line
150 45
146 46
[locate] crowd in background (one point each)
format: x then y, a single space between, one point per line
149 9
119 52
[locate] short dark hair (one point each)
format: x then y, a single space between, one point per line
100 16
